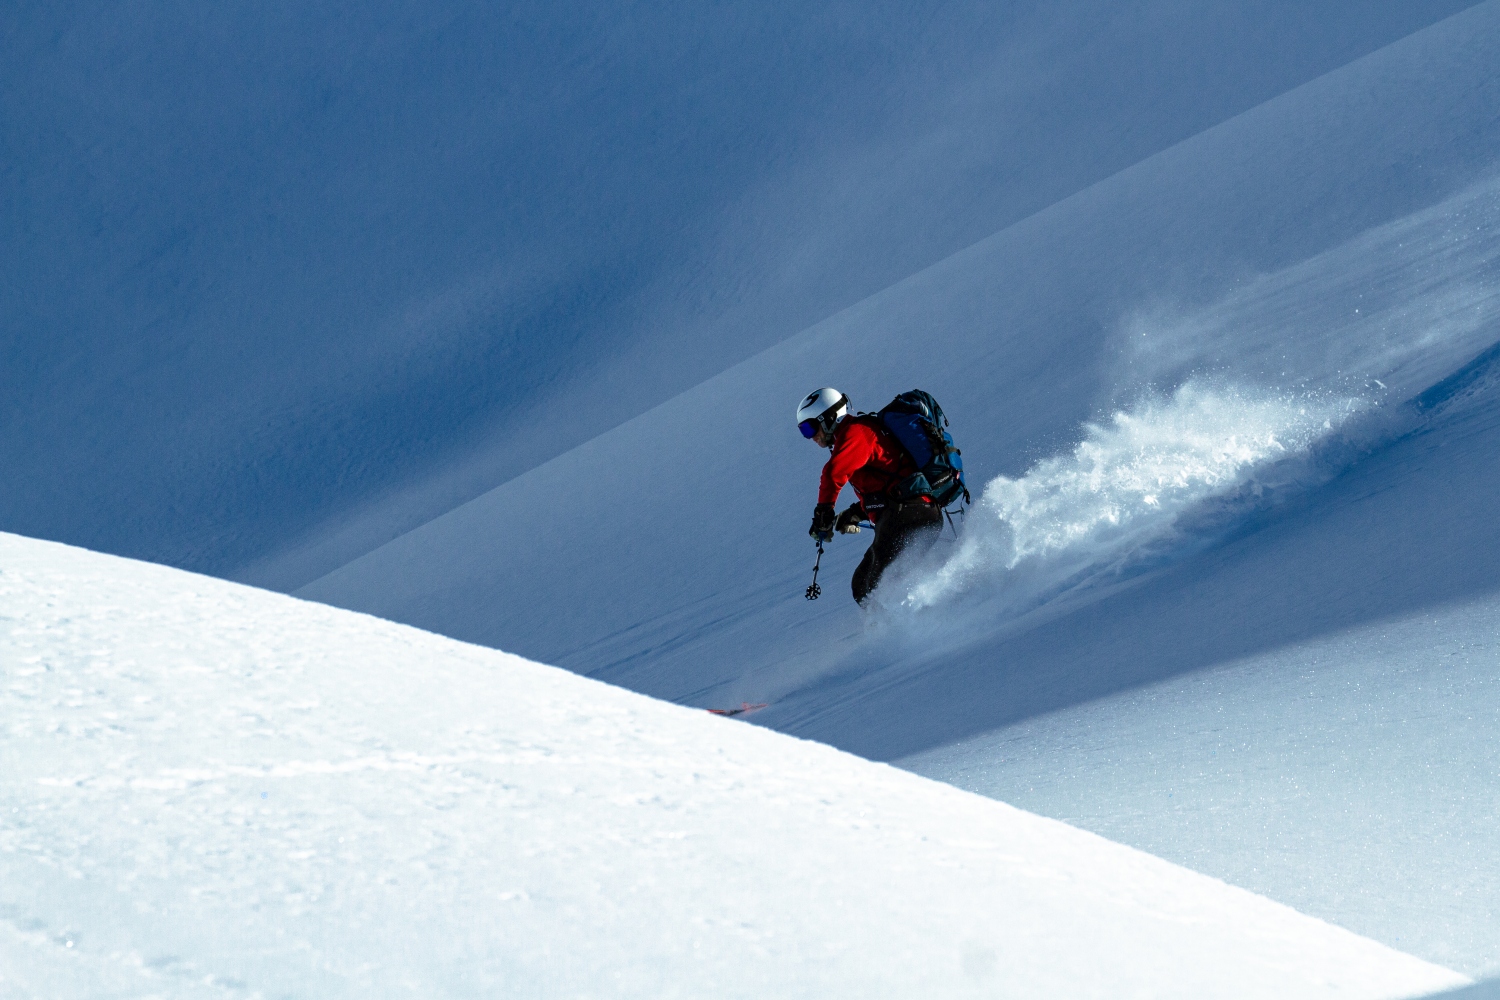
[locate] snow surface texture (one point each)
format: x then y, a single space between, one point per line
1237 400
213 791
285 279
1479 991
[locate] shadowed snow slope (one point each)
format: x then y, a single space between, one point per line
683 532
1236 400
214 791
284 280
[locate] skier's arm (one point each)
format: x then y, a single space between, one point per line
853 450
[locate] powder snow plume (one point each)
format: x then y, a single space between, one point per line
1118 500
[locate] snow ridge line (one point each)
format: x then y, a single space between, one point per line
175 778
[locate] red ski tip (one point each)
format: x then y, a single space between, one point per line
744 707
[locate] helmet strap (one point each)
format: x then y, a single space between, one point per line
830 418
827 422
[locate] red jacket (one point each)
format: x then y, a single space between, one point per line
864 458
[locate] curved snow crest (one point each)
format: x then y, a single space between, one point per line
208 790
1118 500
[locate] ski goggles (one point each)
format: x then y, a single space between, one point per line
808 428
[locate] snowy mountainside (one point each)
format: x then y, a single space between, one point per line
214 791
287 280
1250 379
683 531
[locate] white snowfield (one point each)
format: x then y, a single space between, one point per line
215 791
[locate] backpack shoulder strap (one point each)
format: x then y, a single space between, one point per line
878 425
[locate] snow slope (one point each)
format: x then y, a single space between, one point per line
1234 409
213 791
286 280
1308 710
683 531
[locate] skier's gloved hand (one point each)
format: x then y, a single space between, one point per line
848 522
822 526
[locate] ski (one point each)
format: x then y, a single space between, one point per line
744 707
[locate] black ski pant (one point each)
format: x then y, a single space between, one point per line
911 527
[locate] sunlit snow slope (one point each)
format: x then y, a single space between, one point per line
1232 408
212 791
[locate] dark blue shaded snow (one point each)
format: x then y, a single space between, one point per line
285 282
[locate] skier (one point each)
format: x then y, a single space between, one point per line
868 458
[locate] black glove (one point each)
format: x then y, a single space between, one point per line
822 526
848 522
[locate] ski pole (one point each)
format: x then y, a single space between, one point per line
813 590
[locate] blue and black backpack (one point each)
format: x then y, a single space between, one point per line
916 420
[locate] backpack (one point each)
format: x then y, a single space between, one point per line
916 421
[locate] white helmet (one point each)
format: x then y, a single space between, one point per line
820 410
